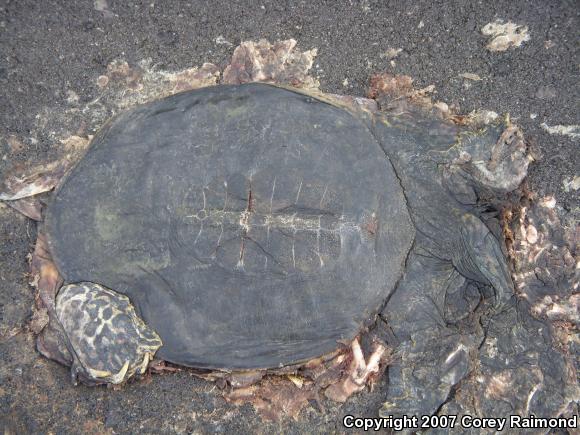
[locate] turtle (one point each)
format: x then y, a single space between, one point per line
226 216
258 227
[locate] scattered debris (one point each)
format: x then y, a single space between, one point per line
296 380
482 117
124 86
193 78
274 398
72 97
160 366
572 131
359 372
75 143
471 76
391 53
556 308
397 90
15 144
505 35
101 5
337 378
220 40
546 93
102 81
571 183
265 62
543 247
443 107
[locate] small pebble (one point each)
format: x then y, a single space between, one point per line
531 234
102 81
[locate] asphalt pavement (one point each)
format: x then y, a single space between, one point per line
52 53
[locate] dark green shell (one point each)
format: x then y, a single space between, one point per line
250 226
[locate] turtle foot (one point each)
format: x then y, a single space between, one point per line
360 372
337 376
495 157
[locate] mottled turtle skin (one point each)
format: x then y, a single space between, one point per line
255 227
111 343
456 262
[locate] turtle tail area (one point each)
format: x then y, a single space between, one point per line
479 256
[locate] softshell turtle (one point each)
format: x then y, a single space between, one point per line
251 228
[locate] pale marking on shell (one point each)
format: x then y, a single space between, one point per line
248 219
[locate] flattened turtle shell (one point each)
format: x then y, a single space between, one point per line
251 226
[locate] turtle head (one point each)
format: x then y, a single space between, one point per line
106 340
493 157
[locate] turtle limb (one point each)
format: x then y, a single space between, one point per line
359 373
110 342
478 256
495 157
432 347
455 168
19 190
51 342
29 207
338 376
488 153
